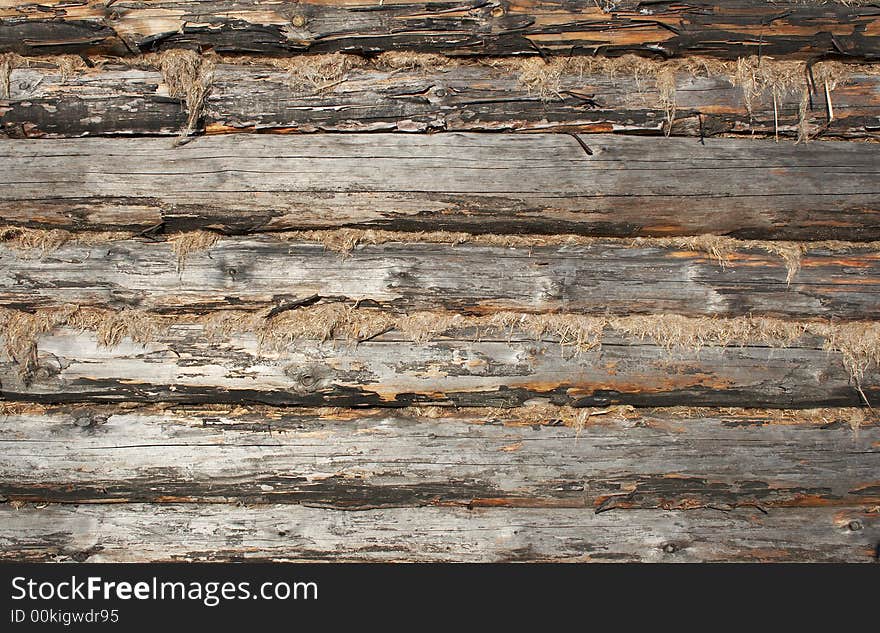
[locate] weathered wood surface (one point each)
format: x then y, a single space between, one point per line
371 459
118 100
186 532
470 369
707 27
479 182
600 278
43 101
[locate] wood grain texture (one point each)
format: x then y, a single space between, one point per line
91 469
468 369
457 181
144 532
115 99
44 101
602 278
373 459
729 29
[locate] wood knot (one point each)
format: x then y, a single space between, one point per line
298 20
46 368
81 556
551 289
87 420
854 526
670 548
308 378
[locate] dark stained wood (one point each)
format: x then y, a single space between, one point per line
471 368
457 181
112 100
611 277
187 532
728 29
117 99
370 459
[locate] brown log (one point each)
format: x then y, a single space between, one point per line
730 29
186 532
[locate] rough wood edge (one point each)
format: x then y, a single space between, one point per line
858 342
720 248
189 75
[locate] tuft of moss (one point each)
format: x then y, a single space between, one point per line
858 343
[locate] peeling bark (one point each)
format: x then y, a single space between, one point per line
727 29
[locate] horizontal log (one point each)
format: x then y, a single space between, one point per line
367 459
421 95
502 366
144 532
482 183
49 101
595 277
726 29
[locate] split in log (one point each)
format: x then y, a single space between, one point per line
59 97
482 183
356 459
191 532
204 272
659 360
730 29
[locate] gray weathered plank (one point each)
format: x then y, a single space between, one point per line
728 28
363 459
192 532
470 368
115 99
458 181
599 278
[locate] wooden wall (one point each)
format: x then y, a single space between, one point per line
480 281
